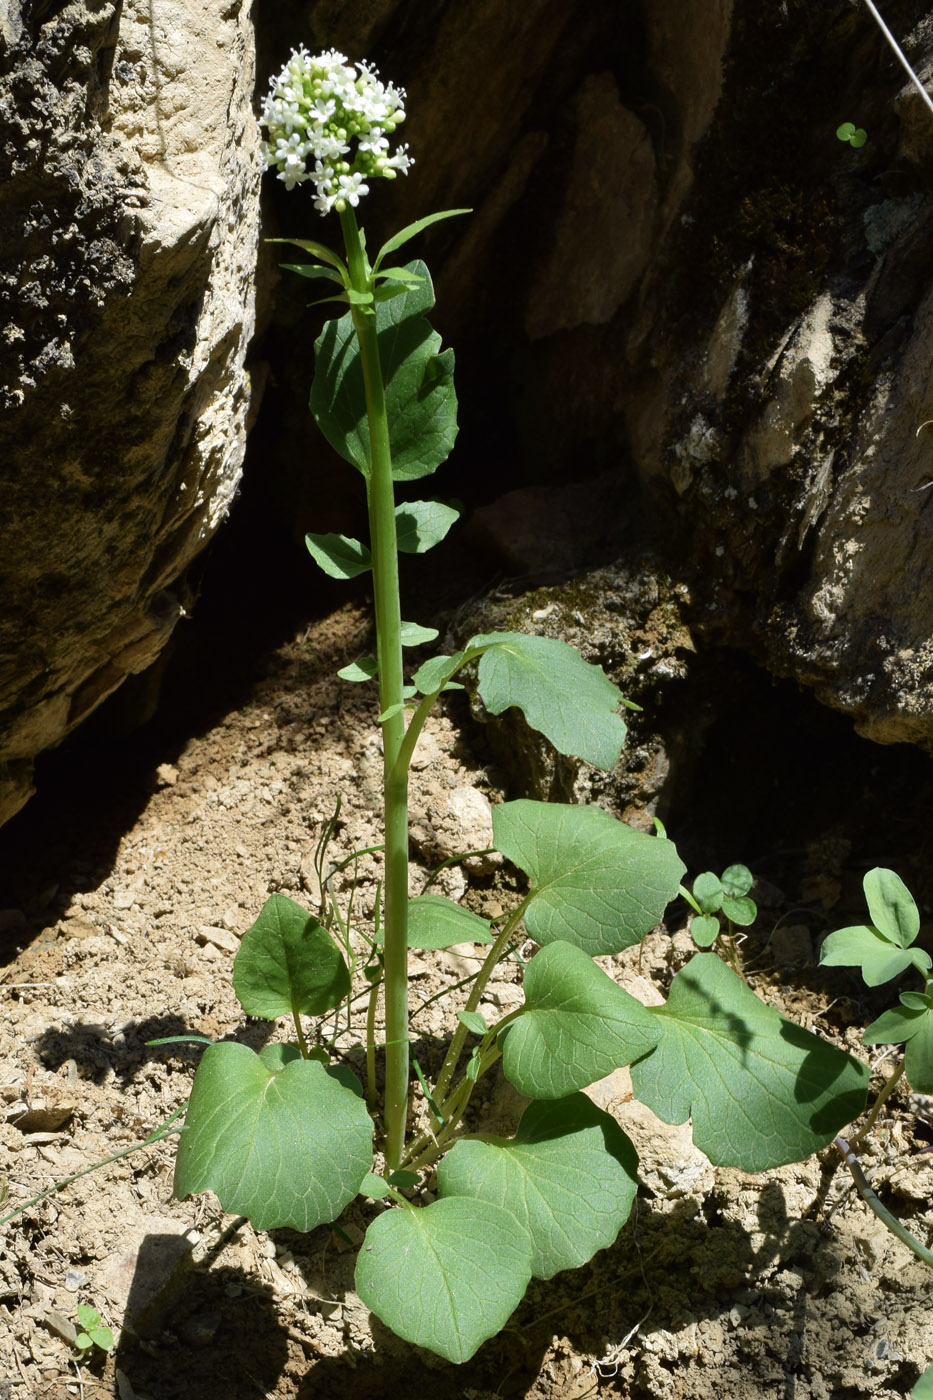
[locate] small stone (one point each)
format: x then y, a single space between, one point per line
124 899
166 775
219 937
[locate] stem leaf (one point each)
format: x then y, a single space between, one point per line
436 922
363 669
421 404
287 964
339 556
596 882
411 230
420 525
295 1144
761 1091
446 1277
571 702
568 1175
414 635
576 1027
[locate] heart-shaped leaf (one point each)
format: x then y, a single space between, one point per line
597 883
571 702
704 929
447 1277
288 964
761 1091
288 1146
421 404
568 1175
576 1026
707 891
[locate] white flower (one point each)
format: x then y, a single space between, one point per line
329 121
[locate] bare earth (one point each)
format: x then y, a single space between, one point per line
122 931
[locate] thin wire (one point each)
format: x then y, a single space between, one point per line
900 54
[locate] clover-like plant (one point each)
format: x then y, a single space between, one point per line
883 950
853 135
285 1136
92 1333
714 895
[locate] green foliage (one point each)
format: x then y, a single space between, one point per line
923 1390
595 882
571 702
467 1264
436 922
286 1137
280 1139
713 896
760 1090
92 1333
287 964
882 949
851 134
576 1027
419 385
568 1176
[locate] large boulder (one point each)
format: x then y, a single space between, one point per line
128 237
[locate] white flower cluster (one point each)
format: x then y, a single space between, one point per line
330 121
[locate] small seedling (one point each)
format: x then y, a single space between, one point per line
92 1333
853 135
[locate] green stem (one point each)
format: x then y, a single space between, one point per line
475 997
885 1093
383 544
884 1215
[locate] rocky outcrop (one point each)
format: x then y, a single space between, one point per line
780 368
128 237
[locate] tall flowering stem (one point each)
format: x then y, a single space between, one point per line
384 548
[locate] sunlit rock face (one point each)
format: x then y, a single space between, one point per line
128 235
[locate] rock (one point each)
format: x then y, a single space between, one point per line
143 1279
128 204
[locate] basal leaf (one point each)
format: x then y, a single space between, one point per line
420 400
446 1277
597 883
568 1175
288 964
891 905
863 946
576 1026
419 525
571 702
339 556
436 922
283 1147
761 1091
